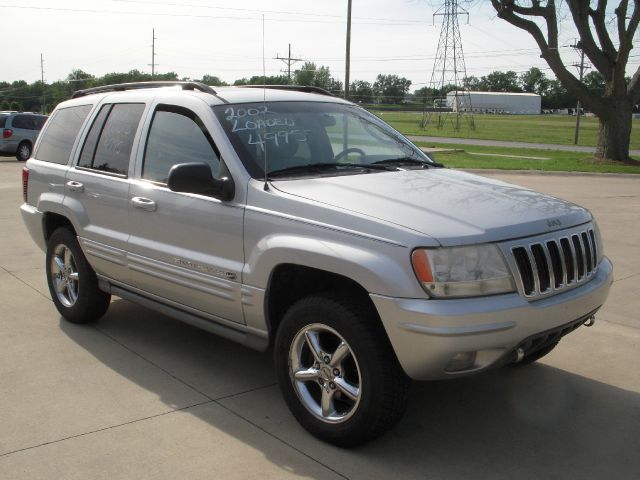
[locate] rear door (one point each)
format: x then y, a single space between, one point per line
185 249
97 188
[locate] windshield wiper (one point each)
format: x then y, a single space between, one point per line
321 167
409 161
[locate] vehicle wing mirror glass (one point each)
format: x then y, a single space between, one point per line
197 178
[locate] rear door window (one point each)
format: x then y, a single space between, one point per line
59 137
110 140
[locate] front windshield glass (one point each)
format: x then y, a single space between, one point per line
297 135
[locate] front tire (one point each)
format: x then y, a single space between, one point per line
72 282
337 371
24 151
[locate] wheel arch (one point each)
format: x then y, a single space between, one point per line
290 282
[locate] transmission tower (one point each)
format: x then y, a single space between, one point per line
449 75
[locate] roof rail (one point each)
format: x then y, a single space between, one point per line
121 87
297 88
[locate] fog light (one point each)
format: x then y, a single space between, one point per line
461 361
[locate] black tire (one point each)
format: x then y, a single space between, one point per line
383 385
24 151
89 302
535 356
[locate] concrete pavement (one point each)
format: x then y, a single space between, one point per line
139 395
501 143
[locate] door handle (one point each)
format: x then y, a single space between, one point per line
144 204
73 186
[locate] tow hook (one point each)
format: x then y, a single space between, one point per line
590 321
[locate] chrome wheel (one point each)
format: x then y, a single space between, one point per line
64 273
325 373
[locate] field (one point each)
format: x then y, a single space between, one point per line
468 156
558 129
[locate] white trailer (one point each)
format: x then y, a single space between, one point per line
495 102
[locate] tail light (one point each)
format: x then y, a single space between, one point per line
7 132
25 183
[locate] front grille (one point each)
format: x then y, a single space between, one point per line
556 264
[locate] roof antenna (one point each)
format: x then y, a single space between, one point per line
264 113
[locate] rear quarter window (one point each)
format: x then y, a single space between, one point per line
59 137
3 119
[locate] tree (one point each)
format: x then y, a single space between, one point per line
595 83
213 81
314 76
391 88
260 80
361 91
534 81
501 82
608 56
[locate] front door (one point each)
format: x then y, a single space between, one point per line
184 249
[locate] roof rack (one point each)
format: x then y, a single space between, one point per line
121 87
297 88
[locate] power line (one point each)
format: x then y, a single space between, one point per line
278 12
382 22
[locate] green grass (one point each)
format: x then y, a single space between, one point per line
557 129
556 161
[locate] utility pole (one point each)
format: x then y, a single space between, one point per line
582 68
348 53
153 53
44 109
288 62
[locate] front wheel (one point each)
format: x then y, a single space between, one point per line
72 282
338 372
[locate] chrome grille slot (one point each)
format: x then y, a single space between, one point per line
555 264
577 246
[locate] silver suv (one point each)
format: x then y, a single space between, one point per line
18 132
292 219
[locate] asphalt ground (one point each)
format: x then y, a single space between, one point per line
141 396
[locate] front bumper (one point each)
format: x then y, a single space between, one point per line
427 334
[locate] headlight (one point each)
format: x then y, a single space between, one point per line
462 271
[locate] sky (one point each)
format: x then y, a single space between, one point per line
225 38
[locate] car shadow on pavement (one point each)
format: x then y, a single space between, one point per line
531 422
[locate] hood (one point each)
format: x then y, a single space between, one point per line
453 207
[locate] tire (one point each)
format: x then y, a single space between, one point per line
72 282
354 370
535 356
24 151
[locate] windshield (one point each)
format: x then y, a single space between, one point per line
310 138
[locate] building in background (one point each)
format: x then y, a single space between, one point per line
496 102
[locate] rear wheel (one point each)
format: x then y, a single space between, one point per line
337 371
24 152
72 282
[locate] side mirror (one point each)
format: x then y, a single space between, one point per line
197 178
